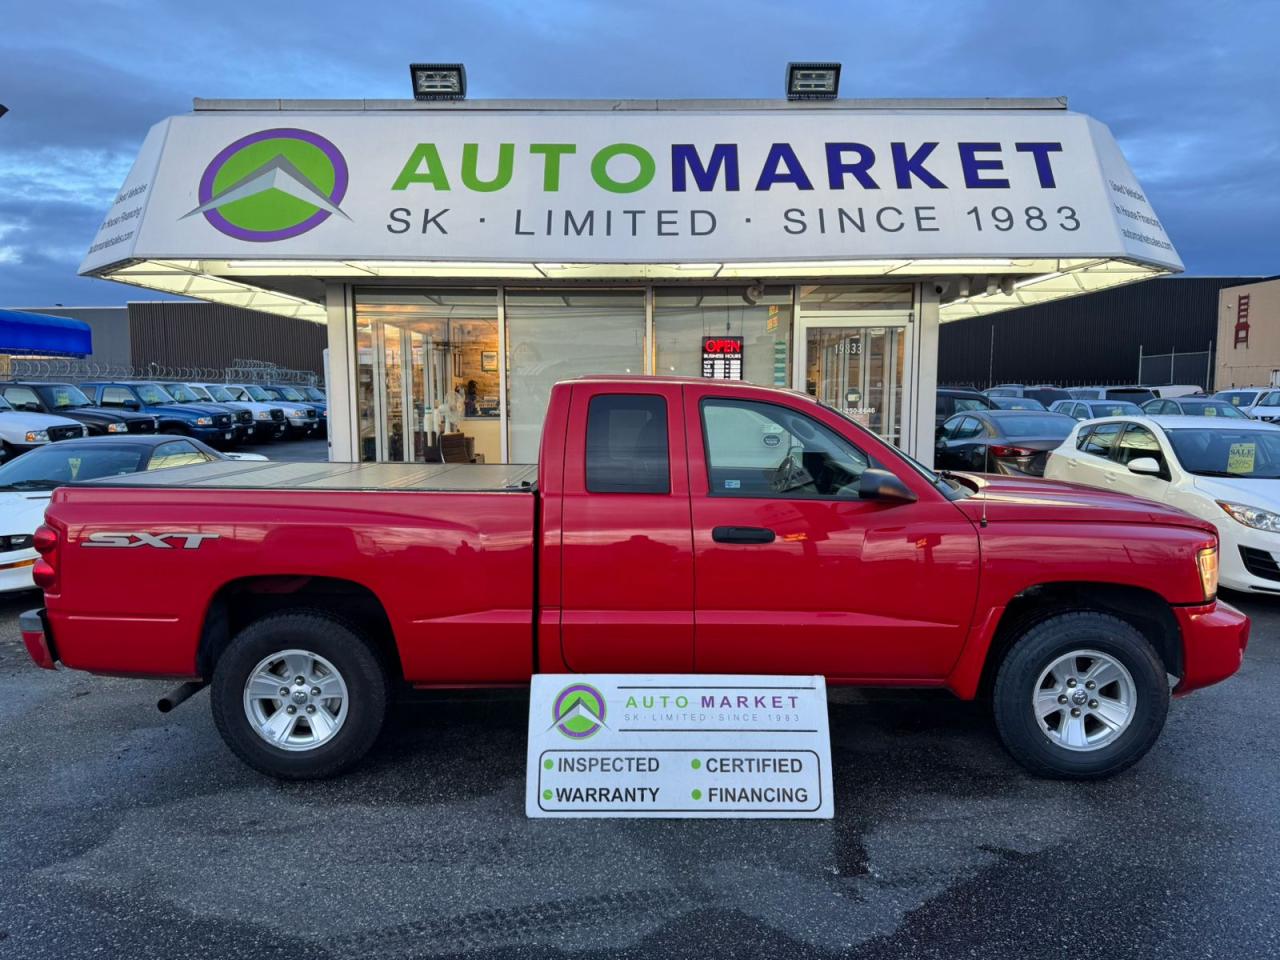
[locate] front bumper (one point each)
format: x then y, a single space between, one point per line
36 637
1214 637
15 570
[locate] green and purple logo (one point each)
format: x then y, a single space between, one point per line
578 712
273 185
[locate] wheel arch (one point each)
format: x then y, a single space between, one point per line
1148 612
240 602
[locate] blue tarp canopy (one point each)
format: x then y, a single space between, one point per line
38 333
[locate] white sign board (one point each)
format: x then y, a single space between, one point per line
624 745
630 187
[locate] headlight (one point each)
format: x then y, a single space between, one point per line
324 412
1207 561
1254 517
120 427
16 541
37 436
297 413
263 414
204 421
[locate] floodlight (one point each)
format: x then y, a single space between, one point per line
438 81
813 81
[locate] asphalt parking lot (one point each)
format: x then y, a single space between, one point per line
315 449
131 833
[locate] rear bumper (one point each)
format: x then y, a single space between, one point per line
1214 637
36 636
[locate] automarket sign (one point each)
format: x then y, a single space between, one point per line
678 746
630 186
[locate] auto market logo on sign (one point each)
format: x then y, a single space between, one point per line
273 185
578 711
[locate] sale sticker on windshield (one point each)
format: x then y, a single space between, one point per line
678 746
1240 457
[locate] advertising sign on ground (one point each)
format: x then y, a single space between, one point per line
622 745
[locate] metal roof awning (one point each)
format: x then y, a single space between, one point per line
258 203
38 334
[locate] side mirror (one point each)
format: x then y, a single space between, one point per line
1148 466
879 484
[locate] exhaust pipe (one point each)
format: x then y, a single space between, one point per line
179 693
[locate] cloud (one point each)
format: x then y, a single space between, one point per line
1186 89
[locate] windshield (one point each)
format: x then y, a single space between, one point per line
237 393
47 467
289 393
1239 399
1212 408
1030 425
1017 403
221 394
313 393
1117 408
181 393
151 393
1227 452
64 395
199 391
259 394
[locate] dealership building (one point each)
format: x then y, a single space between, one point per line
465 255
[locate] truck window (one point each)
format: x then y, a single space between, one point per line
627 448
765 450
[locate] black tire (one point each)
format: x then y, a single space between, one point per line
368 691
1034 651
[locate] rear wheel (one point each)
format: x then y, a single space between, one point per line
300 695
1080 695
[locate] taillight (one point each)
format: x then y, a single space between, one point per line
998 451
45 572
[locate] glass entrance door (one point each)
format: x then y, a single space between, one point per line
857 368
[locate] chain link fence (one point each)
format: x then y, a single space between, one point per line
74 371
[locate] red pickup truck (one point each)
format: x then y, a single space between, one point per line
671 526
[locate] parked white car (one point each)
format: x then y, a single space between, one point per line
269 419
1261 403
1226 471
21 430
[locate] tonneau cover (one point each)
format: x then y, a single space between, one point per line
274 475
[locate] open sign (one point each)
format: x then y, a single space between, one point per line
722 358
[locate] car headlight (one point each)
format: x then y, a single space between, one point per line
297 413
120 427
204 421
37 436
16 541
1207 561
263 414
1254 517
324 412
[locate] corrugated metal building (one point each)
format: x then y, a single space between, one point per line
171 333
1095 339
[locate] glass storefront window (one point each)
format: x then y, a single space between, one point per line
556 334
427 375
684 316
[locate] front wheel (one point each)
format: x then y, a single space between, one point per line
300 695
1080 696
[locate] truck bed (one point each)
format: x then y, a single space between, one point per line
272 475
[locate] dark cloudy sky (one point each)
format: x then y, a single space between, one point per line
1189 88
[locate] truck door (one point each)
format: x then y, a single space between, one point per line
626 545
794 573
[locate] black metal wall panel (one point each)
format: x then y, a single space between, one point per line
177 334
1094 338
